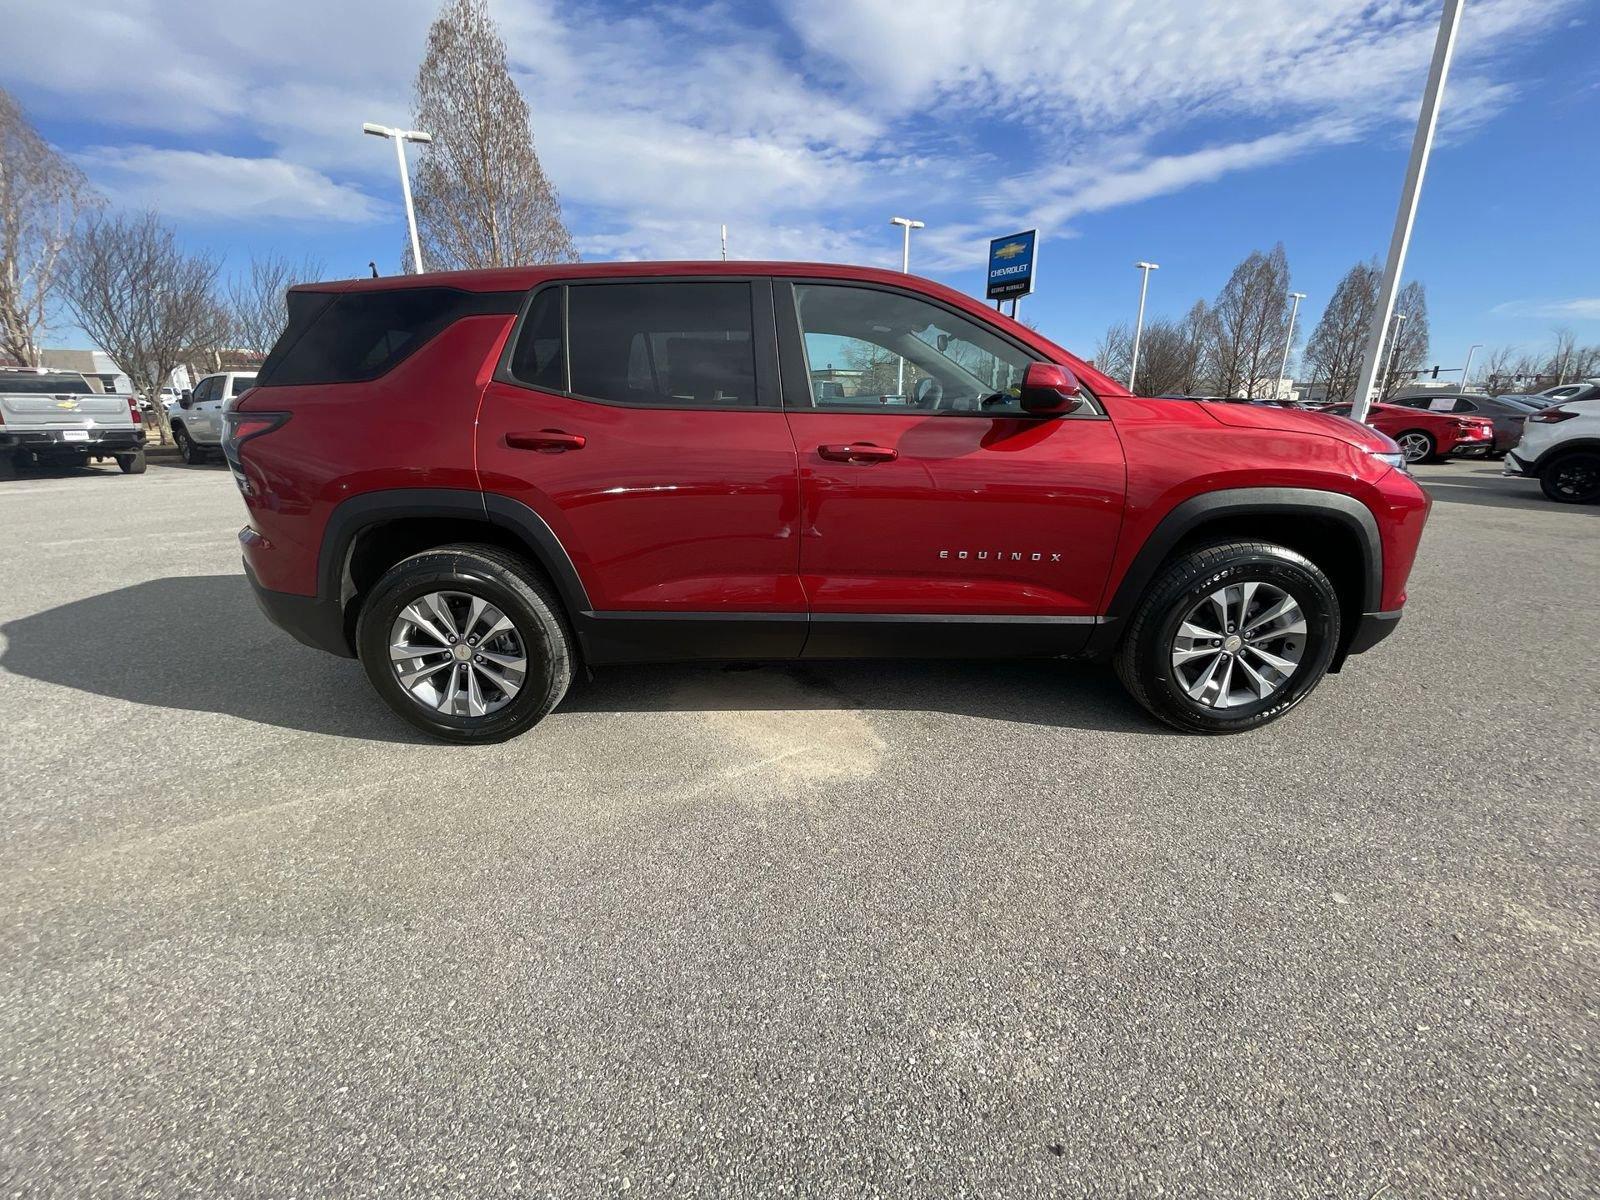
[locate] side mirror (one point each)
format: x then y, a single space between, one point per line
1049 389
185 398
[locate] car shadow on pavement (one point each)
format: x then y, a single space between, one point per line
199 643
1026 691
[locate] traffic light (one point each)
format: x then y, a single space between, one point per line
1436 370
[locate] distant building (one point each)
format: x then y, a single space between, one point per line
94 365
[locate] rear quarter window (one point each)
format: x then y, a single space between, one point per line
348 337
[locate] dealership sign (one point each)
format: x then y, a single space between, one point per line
1011 265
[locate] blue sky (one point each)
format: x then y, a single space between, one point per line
1183 133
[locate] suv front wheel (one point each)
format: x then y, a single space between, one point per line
1230 637
466 643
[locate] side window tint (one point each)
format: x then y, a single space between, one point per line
242 384
537 360
877 349
360 335
666 344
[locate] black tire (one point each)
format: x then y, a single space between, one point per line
1572 478
132 463
1144 658
511 585
187 449
1422 446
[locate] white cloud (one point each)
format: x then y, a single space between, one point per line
1581 308
659 122
222 187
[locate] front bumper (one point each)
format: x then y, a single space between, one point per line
1370 629
313 622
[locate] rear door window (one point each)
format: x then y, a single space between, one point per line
667 345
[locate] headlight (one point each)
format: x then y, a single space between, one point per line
1397 460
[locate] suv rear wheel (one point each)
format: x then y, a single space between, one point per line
1230 637
466 643
1573 478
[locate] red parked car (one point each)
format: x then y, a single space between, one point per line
1426 436
480 483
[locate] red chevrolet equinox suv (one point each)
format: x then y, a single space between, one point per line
479 483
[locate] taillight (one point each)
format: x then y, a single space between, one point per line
239 428
133 411
1552 416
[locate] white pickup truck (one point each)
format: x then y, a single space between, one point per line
55 419
196 415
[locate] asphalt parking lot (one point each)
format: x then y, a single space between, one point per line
835 930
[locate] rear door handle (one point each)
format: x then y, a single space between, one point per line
551 441
859 452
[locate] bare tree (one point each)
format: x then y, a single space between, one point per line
147 303
1496 371
1334 351
257 310
1196 329
1562 355
1406 350
1250 324
1114 354
1164 363
42 196
482 198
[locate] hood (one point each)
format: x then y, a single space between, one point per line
1291 420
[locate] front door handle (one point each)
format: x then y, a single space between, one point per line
859 452
551 441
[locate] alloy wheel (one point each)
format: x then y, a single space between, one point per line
1578 478
457 654
1415 446
1239 645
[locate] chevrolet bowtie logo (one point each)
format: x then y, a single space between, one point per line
69 404
1011 250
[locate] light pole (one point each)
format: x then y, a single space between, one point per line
907 224
1421 146
1467 370
1394 353
1138 326
400 138
1289 341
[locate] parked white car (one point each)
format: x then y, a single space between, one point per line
197 416
1561 449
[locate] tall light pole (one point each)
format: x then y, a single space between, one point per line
1421 146
400 138
1289 341
1394 354
1138 326
1467 370
907 224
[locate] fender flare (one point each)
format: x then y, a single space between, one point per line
1187 516
1560 448
351 517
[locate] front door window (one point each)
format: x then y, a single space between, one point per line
868 349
